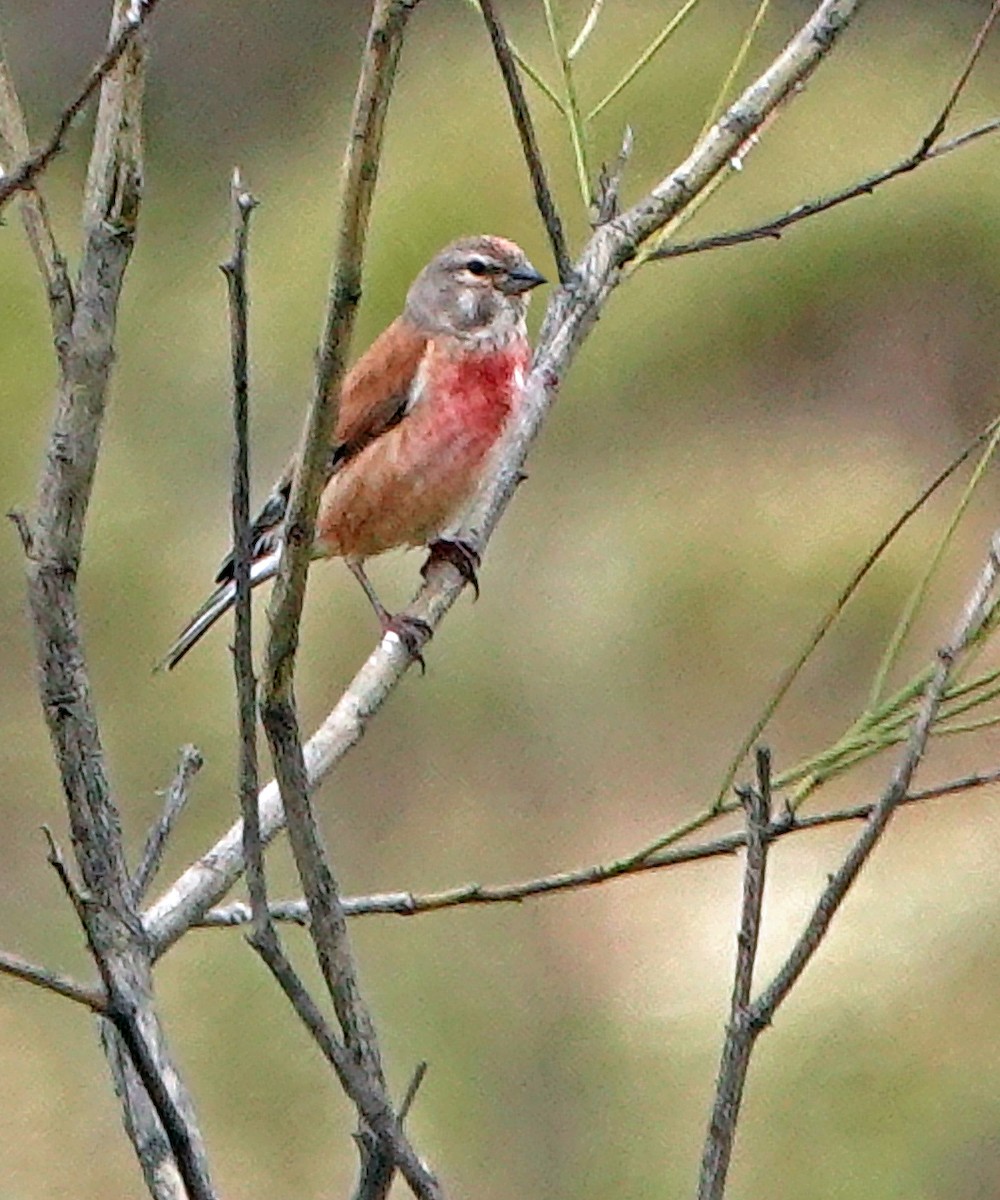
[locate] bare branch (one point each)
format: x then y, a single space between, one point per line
609 181
174 802
52 981
976 608
739 1034
127 28
930 147
327 924
106 905
411 904
235 271
34 213
152 1147
776 226
411 1091
938 128
381 55
372 1102
529 143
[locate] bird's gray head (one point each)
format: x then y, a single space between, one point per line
476 289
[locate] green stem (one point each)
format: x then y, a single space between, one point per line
919 593
571 106
647 55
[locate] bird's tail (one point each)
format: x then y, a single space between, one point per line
220 601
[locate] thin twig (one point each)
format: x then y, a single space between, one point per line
586 29
542 84
829 618
739 1035
52 981
24 174
654 47
529 143
174 801
607 200
410 904
938 128
377 1113
411 1091
767 1003
775 226
242 204
34 212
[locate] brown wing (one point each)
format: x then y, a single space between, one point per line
376 394
378 389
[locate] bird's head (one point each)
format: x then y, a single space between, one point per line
476 289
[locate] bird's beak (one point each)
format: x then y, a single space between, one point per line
521 279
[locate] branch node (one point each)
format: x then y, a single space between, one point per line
20 522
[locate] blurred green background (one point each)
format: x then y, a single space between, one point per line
738 431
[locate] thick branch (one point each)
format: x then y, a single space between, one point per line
110 917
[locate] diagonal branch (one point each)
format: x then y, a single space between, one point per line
34 212
775 226
930 147
127 27
52 981
757 1016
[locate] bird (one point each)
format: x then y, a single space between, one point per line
420 412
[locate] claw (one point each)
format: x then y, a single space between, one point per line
462 556
412 632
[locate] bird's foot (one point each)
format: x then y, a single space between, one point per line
412 632
462 556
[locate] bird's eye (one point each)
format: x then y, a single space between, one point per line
476 266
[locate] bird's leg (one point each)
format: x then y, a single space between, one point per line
462 556
411 631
